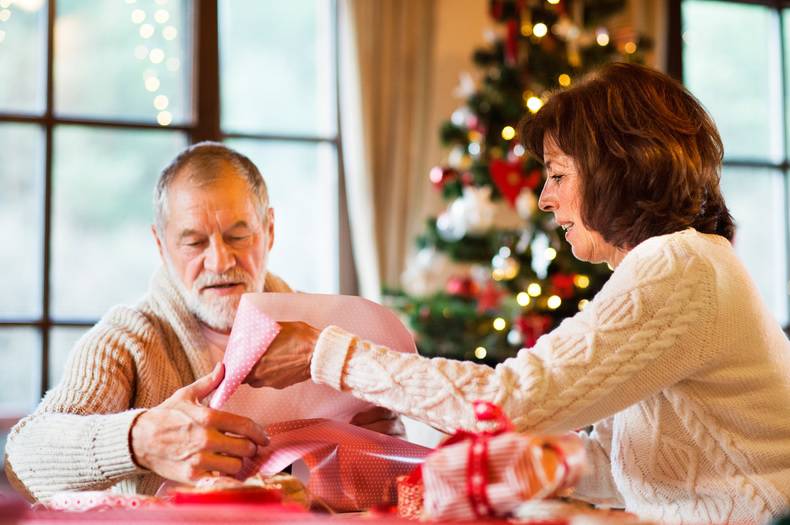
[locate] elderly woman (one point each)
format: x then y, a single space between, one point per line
677 363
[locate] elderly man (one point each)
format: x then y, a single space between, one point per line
127 413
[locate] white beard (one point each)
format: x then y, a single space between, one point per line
217 313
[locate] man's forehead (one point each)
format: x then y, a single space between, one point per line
227 200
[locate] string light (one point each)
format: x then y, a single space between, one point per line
138 15
170 33
523 299
5 4
5 14
551 253
499 324
146 31
554 2
554 302
152 83
526 29
540 30
473 148
161 102
564 80
630 48
480 352
583 304
161 16
156 56
164 118
534 289
534 104
602 37
508 132
581 281
518 150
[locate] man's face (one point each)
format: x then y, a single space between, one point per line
215 245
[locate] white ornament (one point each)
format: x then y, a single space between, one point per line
448 228
514 337
540 263
466 86
426 273
526 203
474 211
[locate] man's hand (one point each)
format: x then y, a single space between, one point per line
381 420
182 440
287 360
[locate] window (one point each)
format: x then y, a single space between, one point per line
96 98
735 60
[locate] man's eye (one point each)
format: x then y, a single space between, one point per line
193 244
237 238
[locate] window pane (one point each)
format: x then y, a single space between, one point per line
757 202
302 181
786 28
123 60
20 349
61 341
102 249
22 55
21 203
731 62
277 66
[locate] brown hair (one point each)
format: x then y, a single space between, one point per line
647 153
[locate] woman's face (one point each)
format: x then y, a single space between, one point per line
561 195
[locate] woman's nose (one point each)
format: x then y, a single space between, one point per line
546 201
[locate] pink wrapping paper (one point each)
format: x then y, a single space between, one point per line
96 500
308 400
350 468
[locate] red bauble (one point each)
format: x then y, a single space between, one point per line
440 175
490 297
562 284
462 287
531 327
467 179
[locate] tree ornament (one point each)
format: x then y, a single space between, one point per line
563 284
508 177
514 337
426 273
526 203
532 326
462 286
440 175
448 228
489 298
473 212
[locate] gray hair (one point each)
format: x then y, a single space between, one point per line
203 163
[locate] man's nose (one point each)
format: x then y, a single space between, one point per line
219 258
546 201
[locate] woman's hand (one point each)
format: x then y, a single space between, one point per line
381 420
182 440
287 360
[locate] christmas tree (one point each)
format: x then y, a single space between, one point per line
492 272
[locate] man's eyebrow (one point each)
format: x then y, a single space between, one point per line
188 233
239 224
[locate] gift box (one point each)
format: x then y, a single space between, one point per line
475 475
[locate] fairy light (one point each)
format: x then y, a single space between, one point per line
473 148
518 150
554 302
5 14
602 37
508 132
138 16
540 30
554 2
499 324
564 80
581 281
523 299
156 56
161 102
164 118
146 31
534 289
169 33
583 304
480 352
152 84
161 16
551 254
534 104
630 48
5 4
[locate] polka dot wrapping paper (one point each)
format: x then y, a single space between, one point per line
252 333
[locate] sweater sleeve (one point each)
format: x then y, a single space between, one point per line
648 328
597 484
78 437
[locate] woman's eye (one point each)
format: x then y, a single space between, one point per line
557 178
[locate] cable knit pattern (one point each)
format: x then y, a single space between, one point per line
677 362
133 359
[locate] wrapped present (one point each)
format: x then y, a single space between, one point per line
475 475
95 500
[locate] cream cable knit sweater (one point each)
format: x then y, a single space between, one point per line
677 361
133 359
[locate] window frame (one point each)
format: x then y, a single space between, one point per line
675 69
205 125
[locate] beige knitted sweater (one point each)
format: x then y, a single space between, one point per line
134 358
677 361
